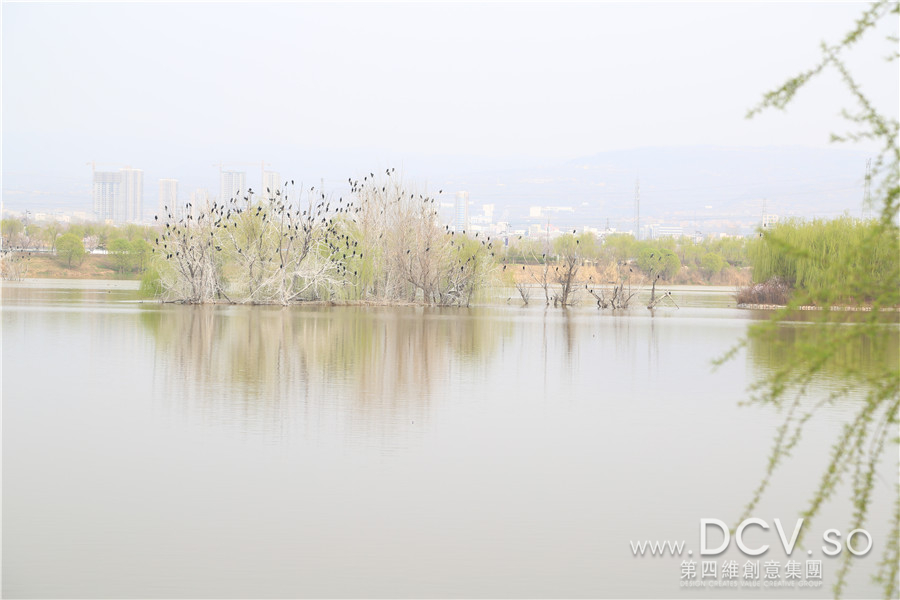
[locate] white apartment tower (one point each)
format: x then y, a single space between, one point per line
199 200
168 197
232 184
461 212
119 196
271 182
106 190
133 194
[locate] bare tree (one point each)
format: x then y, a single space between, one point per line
383 243
621 293
415 258
188 272
566 272
524 291
13 263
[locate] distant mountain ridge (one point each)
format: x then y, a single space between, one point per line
703 187
698 183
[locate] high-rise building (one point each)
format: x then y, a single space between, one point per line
271 182
232 184
168 197
133 194
106 190
199 200
119 196
461 212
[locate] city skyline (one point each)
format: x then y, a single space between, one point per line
441 92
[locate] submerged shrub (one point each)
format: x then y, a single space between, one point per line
775 291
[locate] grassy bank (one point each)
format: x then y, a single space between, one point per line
92 266
100 266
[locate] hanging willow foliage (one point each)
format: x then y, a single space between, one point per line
831 263
817 256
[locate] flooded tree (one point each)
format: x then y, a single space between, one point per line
383 243
566 272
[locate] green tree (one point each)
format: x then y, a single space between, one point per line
120 249
33 234
140 254
50 234
712 263
11 229
656 261
839 278
620 247
70 248
691 253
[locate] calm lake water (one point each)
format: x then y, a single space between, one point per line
173 451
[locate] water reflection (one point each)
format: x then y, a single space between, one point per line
428 452
381 368
848 370
850 362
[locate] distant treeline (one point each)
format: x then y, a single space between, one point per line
383 243
128 246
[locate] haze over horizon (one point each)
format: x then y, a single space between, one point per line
488 95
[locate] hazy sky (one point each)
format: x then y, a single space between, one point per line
171 87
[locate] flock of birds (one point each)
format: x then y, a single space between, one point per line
261 231
275 230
